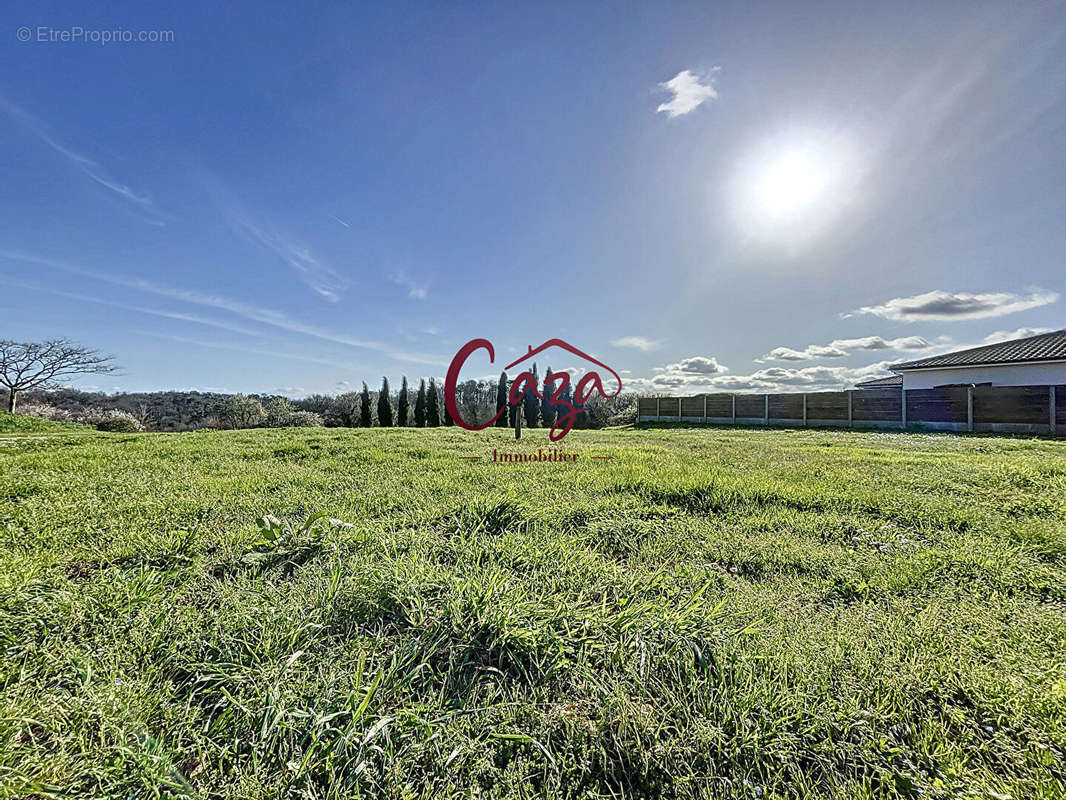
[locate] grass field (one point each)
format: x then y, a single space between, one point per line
711 613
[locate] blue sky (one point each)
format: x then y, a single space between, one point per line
705 196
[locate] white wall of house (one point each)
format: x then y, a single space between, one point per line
1041 374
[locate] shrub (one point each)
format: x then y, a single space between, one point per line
114 421
304 419
45 411
278 412
344 411
242 411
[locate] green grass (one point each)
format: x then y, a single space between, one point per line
20 423
713 613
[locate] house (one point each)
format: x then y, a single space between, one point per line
889 381
1033 361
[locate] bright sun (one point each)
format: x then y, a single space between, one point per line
790 184
792 189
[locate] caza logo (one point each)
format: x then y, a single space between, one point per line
589 384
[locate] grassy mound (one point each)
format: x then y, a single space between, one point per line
708 613
20 423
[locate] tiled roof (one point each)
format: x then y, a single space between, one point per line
878 383
1043 347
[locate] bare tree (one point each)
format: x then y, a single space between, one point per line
45 365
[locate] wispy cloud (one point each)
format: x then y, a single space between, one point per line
941 305
641 343
315 273
418 290
321 278
266 316
259 351
93 169
689 93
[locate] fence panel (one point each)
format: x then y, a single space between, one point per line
877 405
827 407
669 407
1019 405
692 406
1060 409
750 406
720 405
937 405
786 406
647 407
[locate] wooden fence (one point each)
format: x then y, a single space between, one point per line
1008 409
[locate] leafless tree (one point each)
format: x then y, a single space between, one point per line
45 365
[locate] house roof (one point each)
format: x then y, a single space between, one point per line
1043 347
878 383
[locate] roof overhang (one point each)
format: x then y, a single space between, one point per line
976 365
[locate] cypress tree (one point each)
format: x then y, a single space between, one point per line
432 405
448 421
385 404
501 400
364 407
420 405
547 410
567 396
530 405
403 405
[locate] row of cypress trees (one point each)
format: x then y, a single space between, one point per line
431 412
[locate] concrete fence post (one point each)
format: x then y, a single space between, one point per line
851 413
705 408
804 409
969 409
658 409
903 408
1052 402
734 409
766 409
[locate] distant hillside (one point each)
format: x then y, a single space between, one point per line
20 423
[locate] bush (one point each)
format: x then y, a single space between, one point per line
242 411
45 411
304 419
114 421
278 412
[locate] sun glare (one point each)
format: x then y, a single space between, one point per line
792 189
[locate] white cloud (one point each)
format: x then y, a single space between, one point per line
840 348
878 343
807 353
770 379
638 343
1018 333
943 305
689 93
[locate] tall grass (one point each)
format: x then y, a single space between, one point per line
359 613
